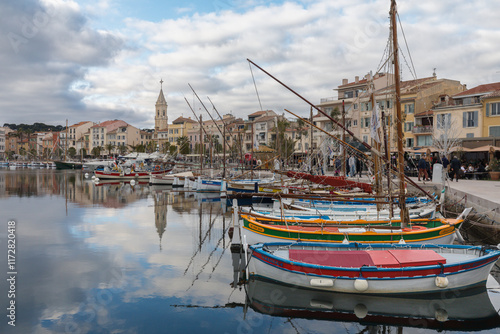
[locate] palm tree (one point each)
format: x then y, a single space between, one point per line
122 149
110 147
183 144
72 151
96 151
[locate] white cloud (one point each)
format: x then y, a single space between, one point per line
309 45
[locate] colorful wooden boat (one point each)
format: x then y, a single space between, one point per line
436 231
380 269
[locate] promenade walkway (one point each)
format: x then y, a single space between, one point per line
484 193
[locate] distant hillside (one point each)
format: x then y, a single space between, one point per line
35 127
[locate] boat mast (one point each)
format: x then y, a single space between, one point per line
202 146
402 204
343 163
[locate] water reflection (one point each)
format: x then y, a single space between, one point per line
112 257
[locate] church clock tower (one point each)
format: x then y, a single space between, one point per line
161 118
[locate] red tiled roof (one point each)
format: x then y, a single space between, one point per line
362 81
257 113
110 125
429 112
78 124
481 89
492 94
181 119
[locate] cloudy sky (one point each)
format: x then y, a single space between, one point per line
103 59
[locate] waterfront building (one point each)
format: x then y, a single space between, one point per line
117 133
2 143
473 116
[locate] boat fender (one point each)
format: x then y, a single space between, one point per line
402 241
132 182
361 284
441 279
361 311
86 175
441 315
321 282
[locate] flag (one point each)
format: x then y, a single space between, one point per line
255 144
375 123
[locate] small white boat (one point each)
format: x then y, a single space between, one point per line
373 269
166 179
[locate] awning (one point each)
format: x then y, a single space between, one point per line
486 148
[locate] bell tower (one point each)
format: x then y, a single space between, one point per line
161 118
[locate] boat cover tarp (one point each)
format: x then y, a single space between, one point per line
334 181
393 258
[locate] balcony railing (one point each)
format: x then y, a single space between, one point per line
422 129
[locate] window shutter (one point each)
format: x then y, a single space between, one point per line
369 106
475 118
464 125
487 110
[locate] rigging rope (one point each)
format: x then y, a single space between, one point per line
255 85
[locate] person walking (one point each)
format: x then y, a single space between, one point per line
446 164
454 168
352 166
422 168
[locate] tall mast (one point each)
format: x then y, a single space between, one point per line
402 204
202 146
343 163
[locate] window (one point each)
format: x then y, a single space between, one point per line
493 109
355 106
443 121
424 140
494 131
348 95
354 122
365 138
409 108
469 135
409 142
408 126
470 119
367 122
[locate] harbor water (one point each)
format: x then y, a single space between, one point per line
111 257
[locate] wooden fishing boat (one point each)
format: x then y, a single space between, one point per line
336 212
129 174
435 231
464 310
380 269
208 184
162 179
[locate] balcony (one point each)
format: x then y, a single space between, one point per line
420 129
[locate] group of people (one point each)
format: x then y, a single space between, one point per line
354 166
453 169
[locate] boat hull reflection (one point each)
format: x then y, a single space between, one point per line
458 310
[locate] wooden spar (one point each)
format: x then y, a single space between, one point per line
319 110
251 161
388 163
405 218
201 134
343 163
217 126
329 134
202 146
311 141
345 129
225 141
